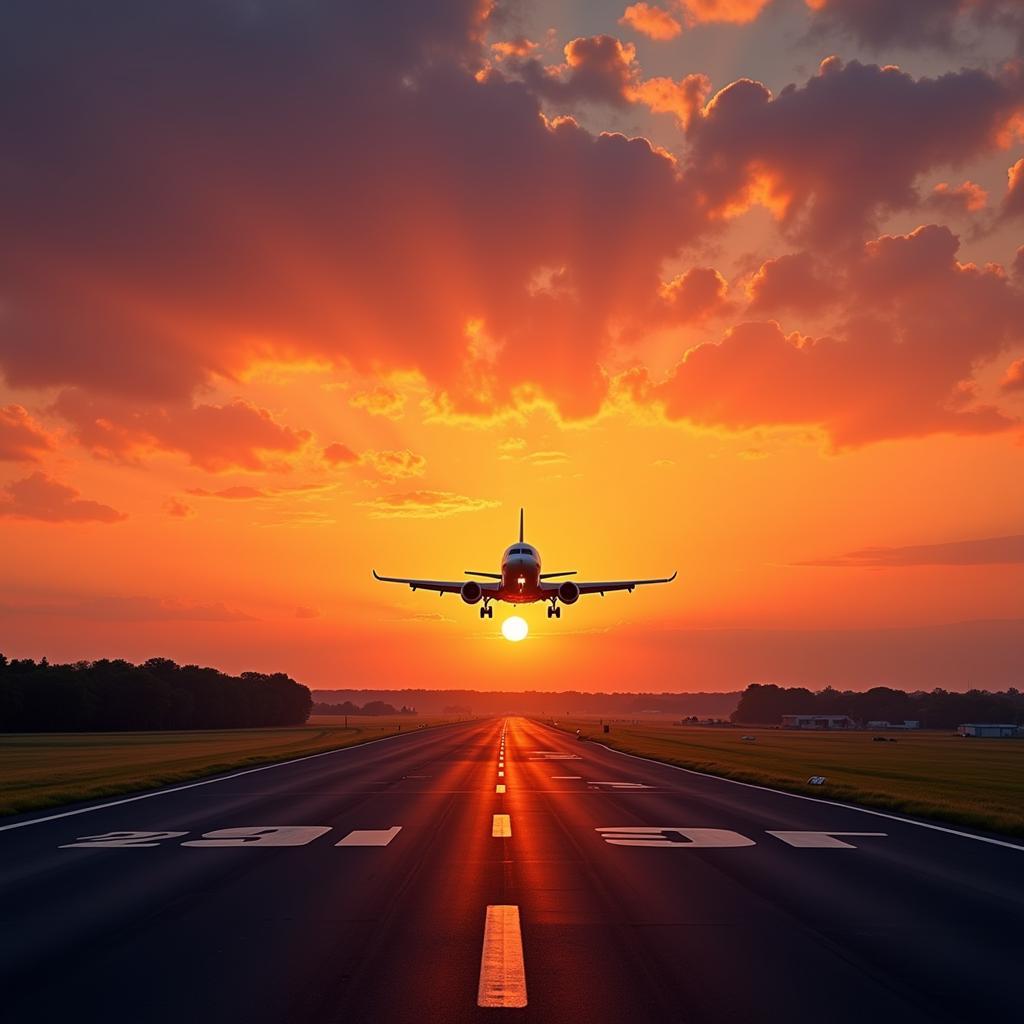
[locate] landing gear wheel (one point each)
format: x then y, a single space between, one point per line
554 612
486 612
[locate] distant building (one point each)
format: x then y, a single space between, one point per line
907 723
818 722
989 729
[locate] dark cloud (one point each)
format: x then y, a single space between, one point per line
830 156
915 23
792 282
40 497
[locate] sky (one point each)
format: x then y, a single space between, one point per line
290 291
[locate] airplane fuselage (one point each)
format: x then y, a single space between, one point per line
520 575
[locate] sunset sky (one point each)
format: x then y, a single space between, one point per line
290 291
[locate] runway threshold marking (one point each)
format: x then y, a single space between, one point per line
370 837
634 835
502 968
818 800
820 840
501 827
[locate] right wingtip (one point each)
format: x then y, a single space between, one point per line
375 576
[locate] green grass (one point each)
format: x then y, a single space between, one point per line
978 782
47 769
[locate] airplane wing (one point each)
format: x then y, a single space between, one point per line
608 585
440 586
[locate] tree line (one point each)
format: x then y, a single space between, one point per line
110 695
371 707
766 703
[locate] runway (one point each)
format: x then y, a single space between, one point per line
499 870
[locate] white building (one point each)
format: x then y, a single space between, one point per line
989 729
818 722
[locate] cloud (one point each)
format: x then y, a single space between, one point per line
518 47
959 200
380 400
1013 202
178 509
340 454
735 12
425 505
917 324
21 438
1013 379
240 492
984 551
212 437
827 158
394 465
651 21
697 293
914 23
122 608
792 282
42 498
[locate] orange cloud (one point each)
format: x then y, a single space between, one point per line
961 199
213 437
339 454
735 12
43 498
791 282
241 492
518 47
1013 202
425 505
380 400
394 465
1013 379
684 98
695 294
178 509
984 551
21 438
651 21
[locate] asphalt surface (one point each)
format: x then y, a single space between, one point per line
913 925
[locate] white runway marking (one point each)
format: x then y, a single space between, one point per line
502 969
501 827
820 840
261 835
501 775
684 838
499 788
552 755
121 840
819 800
565 776
620 785
370 837
203 782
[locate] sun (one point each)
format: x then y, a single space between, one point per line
514 629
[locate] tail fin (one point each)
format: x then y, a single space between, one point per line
520 526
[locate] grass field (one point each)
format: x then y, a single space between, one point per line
46 769
977 782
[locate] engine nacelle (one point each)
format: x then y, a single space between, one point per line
471 592
568 592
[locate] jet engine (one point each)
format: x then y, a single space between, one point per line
471 592
568 592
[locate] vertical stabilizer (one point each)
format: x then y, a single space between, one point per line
520 526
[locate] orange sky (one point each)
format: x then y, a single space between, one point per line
333 294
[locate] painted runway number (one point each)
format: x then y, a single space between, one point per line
262 835
121 840
722 838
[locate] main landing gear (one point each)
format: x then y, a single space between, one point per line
554 612
487 612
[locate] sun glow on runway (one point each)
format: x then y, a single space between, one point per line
515 629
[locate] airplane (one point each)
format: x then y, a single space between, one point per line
519 582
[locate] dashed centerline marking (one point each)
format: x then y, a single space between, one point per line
502 969
499 788
501 775
501 827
